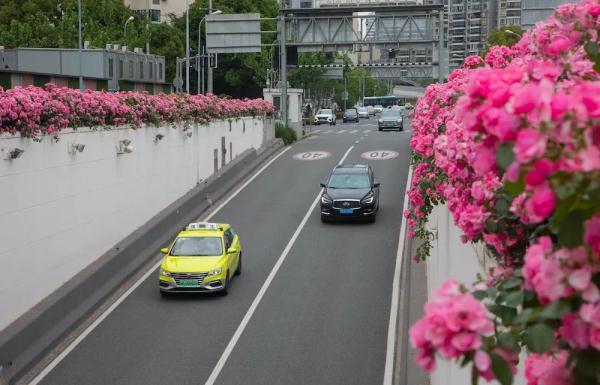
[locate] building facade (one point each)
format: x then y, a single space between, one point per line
533 11
110 69
160 10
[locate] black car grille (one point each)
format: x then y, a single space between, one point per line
345 204
196 276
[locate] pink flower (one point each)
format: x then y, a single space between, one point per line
482 361
541 204
592 233
547 369
575 331
542 168
525 99
530 144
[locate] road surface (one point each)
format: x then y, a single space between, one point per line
324 317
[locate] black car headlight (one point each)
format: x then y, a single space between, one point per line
326 200
368 199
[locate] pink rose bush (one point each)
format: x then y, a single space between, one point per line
34 111
511 145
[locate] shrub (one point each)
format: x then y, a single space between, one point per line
287 134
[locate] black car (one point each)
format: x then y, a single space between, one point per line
352 192
390 118
351 115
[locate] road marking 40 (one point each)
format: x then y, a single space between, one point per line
379 155
312 155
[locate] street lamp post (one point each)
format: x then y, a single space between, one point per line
200 53
80 48
513 33
131 18
187 47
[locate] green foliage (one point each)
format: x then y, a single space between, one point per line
501 370
501 37
287 134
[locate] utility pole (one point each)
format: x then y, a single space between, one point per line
441 66
283 67
80 49
187 47
209 70
147 27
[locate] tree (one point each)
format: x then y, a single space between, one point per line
238 75
502 37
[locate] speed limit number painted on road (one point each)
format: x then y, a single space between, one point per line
379 155
312 155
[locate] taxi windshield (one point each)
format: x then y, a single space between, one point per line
349 181
197 246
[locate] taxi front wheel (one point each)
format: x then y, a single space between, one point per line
225 290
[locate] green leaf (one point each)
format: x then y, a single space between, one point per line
555 310
587 362
502 206
501 370
510 283
514 299
570 232
479 294
561 211
507 314
540 338
505 155
490 226
515 188
525 316
507 340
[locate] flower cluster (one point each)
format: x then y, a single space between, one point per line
33 111
454 325
511 144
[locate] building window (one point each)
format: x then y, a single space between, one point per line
156 2
111 71
151 71
155 15
120 69
160 71
131 69
141 70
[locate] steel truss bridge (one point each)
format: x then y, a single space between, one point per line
385 70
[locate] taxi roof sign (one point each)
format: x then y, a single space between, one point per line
202 226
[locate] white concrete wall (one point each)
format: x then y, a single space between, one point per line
59 211
450 258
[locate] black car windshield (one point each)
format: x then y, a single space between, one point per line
349 181
390 114
351 112
324 112
197 246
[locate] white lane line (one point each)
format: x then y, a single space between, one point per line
152 269
353 131
236 336
316 131
366 131
388 374
357 141
341 131
327 131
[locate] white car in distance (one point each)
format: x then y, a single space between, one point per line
325 116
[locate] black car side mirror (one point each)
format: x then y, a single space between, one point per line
376 184
323 184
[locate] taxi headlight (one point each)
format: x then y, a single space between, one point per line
214 272
165 273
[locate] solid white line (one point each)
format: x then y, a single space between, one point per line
388 374
236 336
327 132
341 131
366 131
315 131
152 269
353 131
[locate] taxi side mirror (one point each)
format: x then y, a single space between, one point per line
322 184
232 250
164 250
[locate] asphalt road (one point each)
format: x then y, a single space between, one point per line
324 318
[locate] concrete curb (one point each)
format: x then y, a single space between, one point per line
37 332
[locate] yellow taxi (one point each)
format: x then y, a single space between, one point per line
203 258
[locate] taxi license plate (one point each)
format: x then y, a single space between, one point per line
188 282
345 211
